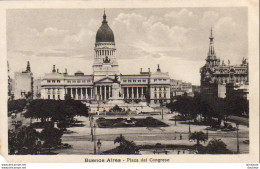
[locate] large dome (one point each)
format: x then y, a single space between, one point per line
104 33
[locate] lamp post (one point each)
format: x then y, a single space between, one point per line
207 133
99 146
94 138
189 127
237 124
162 113
91 125
175 118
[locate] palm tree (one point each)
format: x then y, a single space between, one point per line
125 146
216 146
199 137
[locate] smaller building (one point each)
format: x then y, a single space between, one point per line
23 84
179 88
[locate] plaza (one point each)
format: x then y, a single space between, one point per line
82 144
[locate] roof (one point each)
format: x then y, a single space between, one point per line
104 33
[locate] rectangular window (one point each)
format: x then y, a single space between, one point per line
134 80
58 81
139 80
49 97
69 81
144 80
48 81
155 80
155 89
155 95
83 81
53 81
129 80
160 95
164 95
78 81
74 81
53 96
124 80
59 97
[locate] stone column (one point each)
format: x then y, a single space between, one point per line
76 94
110 91
101 92
81 93
86 92
105 93
91 93
95 88
132 92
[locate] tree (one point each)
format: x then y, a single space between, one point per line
216 146
16 105
51 137
198 136
22 141
56 110
125 146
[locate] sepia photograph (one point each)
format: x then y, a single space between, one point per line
128 81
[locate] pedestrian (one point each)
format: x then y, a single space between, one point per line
180 137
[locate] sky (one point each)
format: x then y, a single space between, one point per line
175 38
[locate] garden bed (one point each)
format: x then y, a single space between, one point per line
133 122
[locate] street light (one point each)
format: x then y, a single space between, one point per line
189 127
175 117
94 138
237 124
99 146
91 125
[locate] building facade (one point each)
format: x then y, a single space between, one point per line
179 88
153 87
216 75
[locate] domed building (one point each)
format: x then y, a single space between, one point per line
105 62
153 88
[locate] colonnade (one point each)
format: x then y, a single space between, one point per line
105 52
79 93
134 92
103 92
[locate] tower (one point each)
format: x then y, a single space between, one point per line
105 62
212 60
28 68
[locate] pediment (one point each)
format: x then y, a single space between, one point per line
105 80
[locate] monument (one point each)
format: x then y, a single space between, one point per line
118 100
